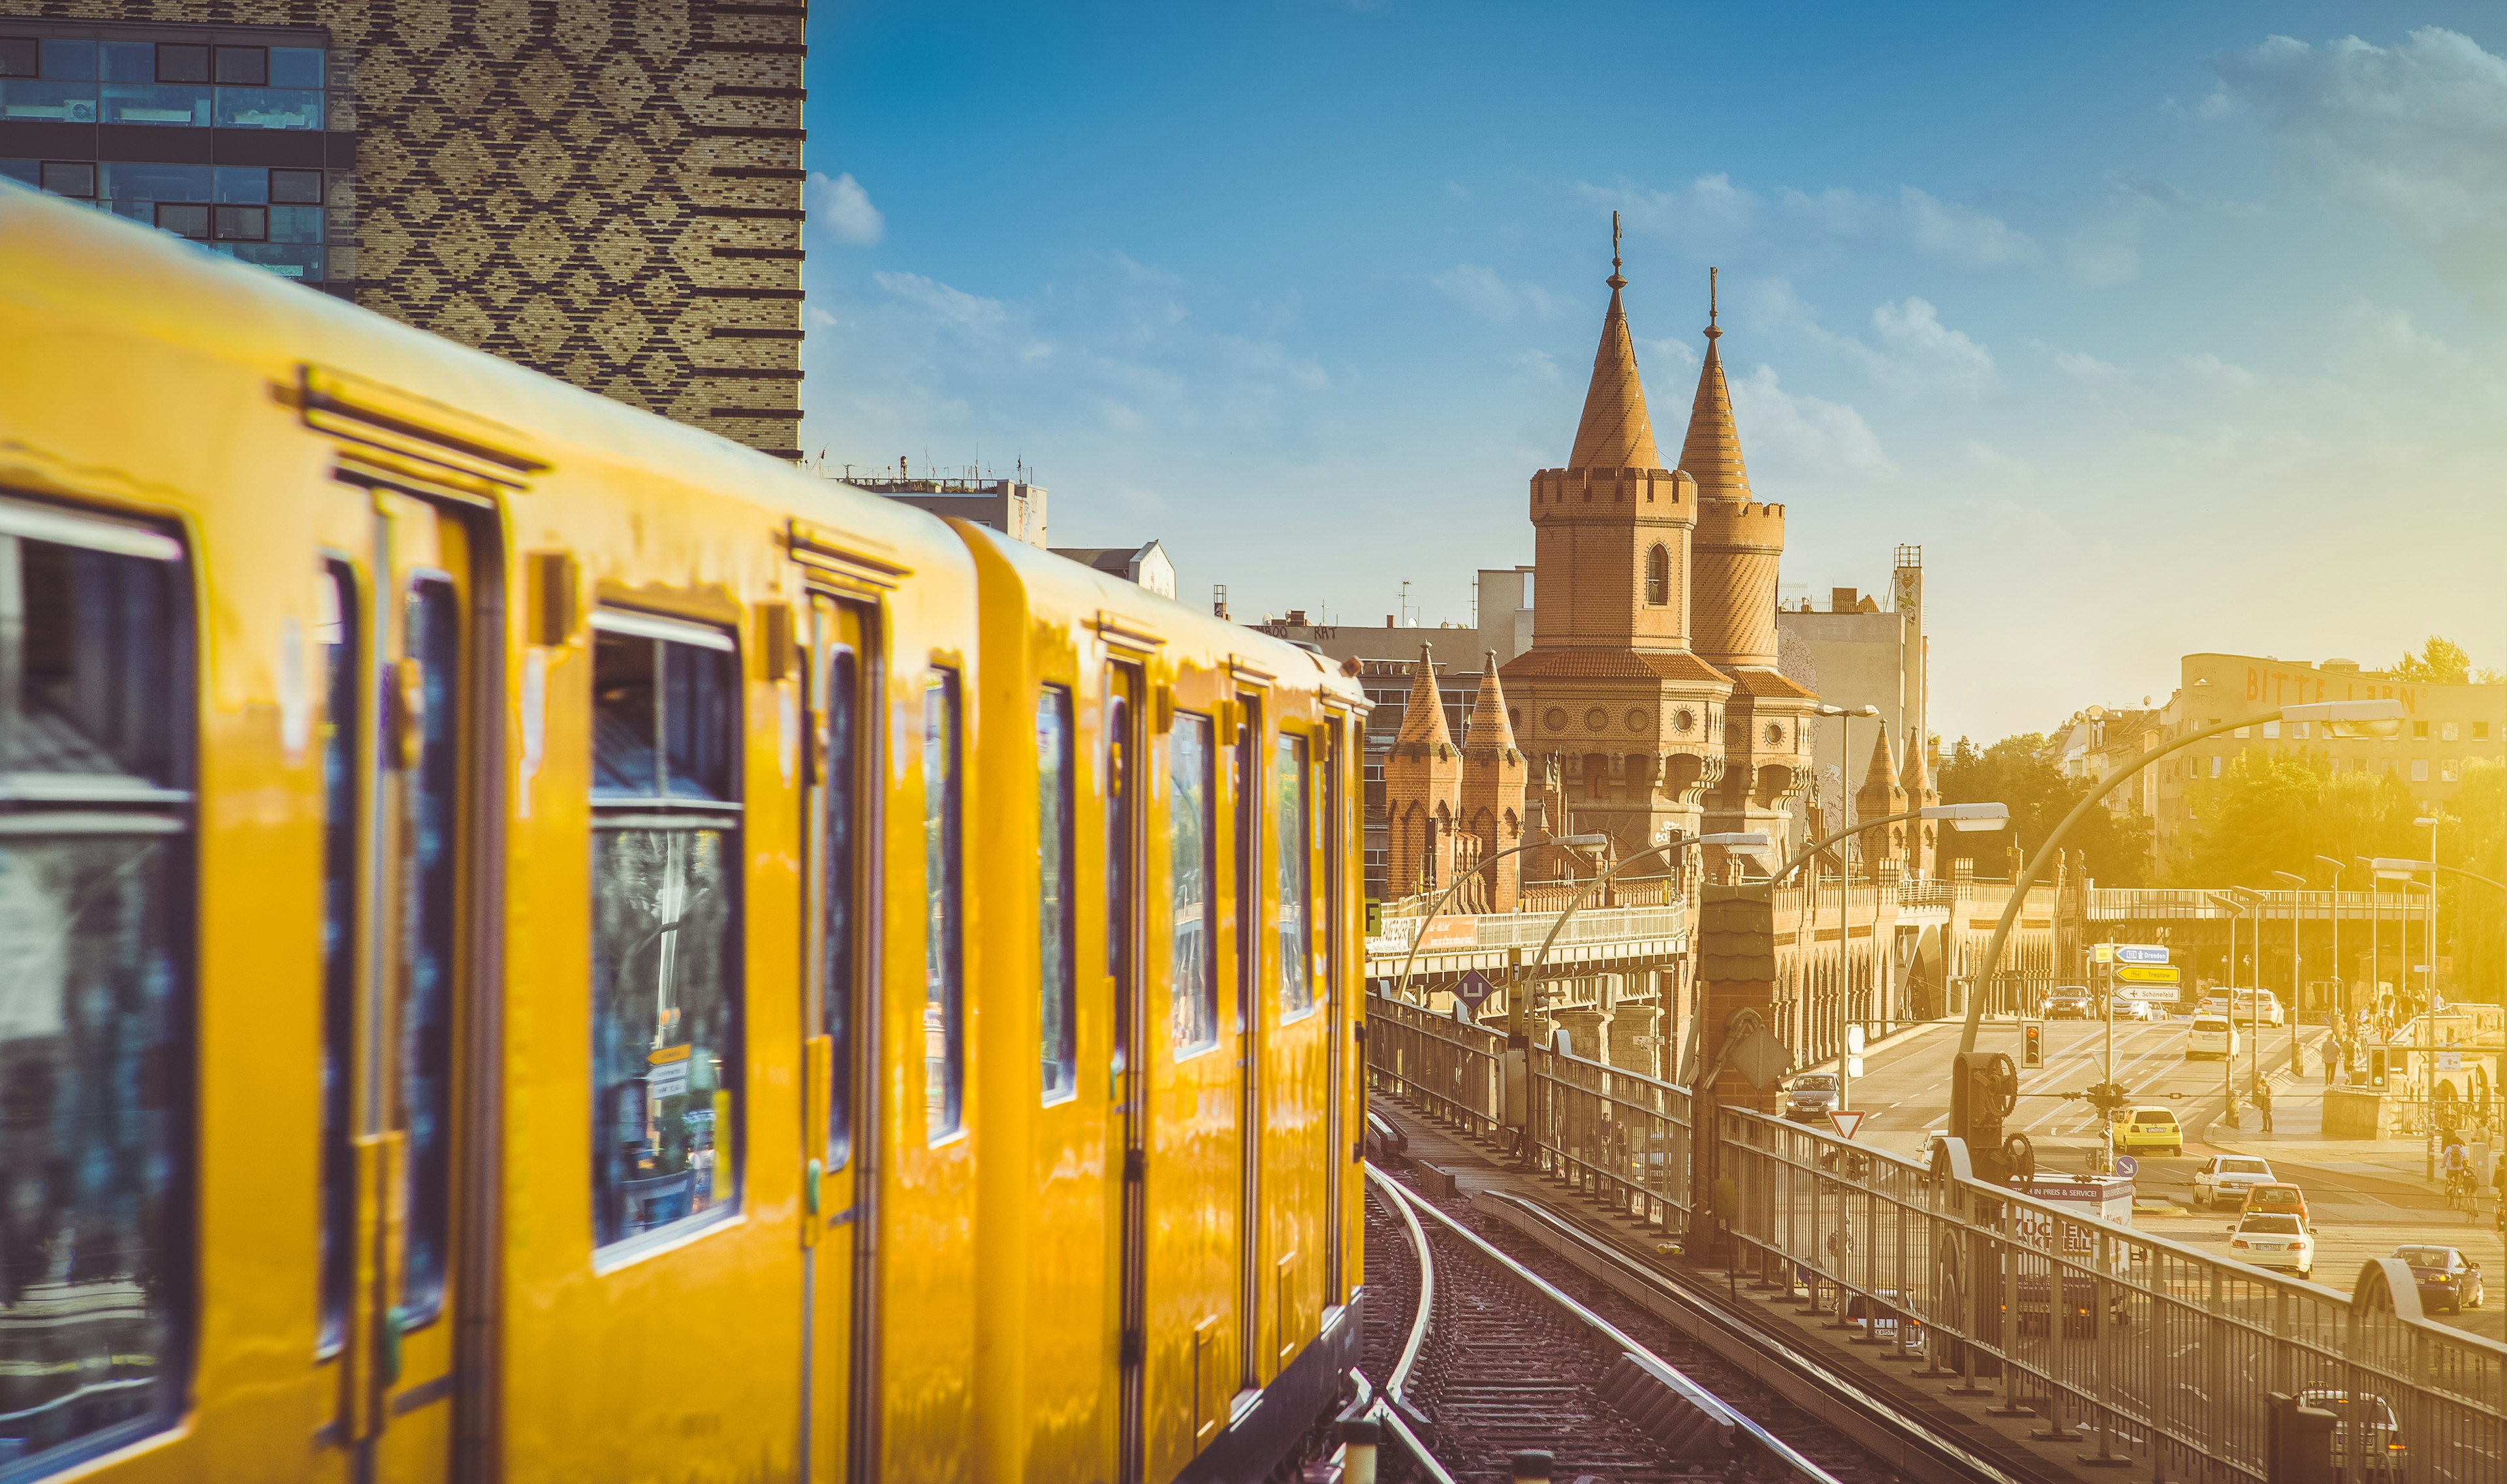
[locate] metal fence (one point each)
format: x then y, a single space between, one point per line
2137 1348
1620 1137
1450 1069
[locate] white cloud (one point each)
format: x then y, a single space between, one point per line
2082 365
842 208
1962 235
969 312
1992 461
1806 437
1931 351
1540 365
819 319
1709 208
2417 130
1482 292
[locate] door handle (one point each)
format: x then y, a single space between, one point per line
818 1060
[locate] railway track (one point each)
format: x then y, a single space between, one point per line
1468 1394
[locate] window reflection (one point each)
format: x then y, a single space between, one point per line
335 633
430 795
836 974
94 1032
1288 829
1192 987
944 1030
1055 904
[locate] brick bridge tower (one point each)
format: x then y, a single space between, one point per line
1617 714
1423 792
1492 794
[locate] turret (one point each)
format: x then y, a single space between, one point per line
1880 797
1423 778
1738 541
1494 776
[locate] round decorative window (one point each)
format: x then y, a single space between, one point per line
1640 719
1596 719
1684 721
1554 720
1775 734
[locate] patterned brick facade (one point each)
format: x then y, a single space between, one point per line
609 191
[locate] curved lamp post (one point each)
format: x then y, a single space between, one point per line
2340 717
1585 842
1750 841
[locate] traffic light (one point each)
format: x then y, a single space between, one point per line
2032 1044
2376 1067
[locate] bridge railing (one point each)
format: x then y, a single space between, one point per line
2140 1348
1451 1069
1620 1137
2128 903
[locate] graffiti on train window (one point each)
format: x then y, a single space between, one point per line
667 1014
1193 1005
95 1132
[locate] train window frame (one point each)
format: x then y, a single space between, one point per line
1196 1035
944 915
1057 896
1292 758
846 911
681 825
342 738
427 1164
153 797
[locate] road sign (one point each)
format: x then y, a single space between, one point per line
2128 1166
1854 1067
1847 1123
2102 953
2155 994
2140 953
2450 1061
1854 1041
2147 973
1473 988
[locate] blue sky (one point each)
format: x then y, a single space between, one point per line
2160 328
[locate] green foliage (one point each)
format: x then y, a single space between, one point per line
2115 848
2440 662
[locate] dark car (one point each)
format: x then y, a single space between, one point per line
2448 1280
2071 1002
1810 1096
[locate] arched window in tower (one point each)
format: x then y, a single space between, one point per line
1657 590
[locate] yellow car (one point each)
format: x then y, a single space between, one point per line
2151 1128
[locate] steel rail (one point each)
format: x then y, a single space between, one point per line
1697 1395
1397 1385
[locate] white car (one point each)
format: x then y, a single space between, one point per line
2224 1180
2210 1035
2212 1004
2271 1239
2251 1007
2138 1009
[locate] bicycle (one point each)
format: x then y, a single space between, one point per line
2460 1195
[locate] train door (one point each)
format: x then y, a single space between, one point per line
398 647
1120 739
838 1029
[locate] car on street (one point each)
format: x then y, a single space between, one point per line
2138 1009
2251 1007
2155 1129
2212 1004
2210 1036
2278 1196
2383 1443
2270 1239
2224 1180
1810 1096
2448 1280
2070 1001
1880 1317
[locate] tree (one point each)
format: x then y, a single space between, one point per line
2115 849
2440 662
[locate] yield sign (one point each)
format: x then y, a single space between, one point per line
1847 1123
1473 988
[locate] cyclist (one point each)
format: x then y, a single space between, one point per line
2459 1171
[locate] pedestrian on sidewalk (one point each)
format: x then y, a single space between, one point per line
2262 1102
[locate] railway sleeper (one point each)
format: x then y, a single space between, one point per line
1642 1392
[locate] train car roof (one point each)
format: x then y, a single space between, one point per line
1292 663
75 263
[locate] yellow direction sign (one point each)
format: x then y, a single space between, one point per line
2146 973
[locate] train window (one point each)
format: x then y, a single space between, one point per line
1056 900
96 1033
944 1031
1294 910
1191 986
336 632
430 811
667 1042
836 971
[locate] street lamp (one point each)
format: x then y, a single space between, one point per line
2340 979
2241 900
2297 987
2396 868
1750 839
2341 718
1844 864
2429 822
1584 842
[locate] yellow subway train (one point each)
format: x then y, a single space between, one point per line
536 944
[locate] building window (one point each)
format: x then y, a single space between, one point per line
2298 729
2419 731
2449 731
2419 770
2242 731
1657 577
2215 765
2481 731
2449 771
2272 730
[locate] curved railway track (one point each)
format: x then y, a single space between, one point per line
1509 1360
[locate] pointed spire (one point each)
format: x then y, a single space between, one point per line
1423 717
1491 735
1711 453
1918 783
1883 772
1615 432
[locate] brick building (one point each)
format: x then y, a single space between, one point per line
609 191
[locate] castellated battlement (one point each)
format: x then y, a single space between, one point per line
1670 492
1741 526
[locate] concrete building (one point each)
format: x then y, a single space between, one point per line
2444 727
1147 565
609 191
1011 506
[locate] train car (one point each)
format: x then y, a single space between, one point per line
539 944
